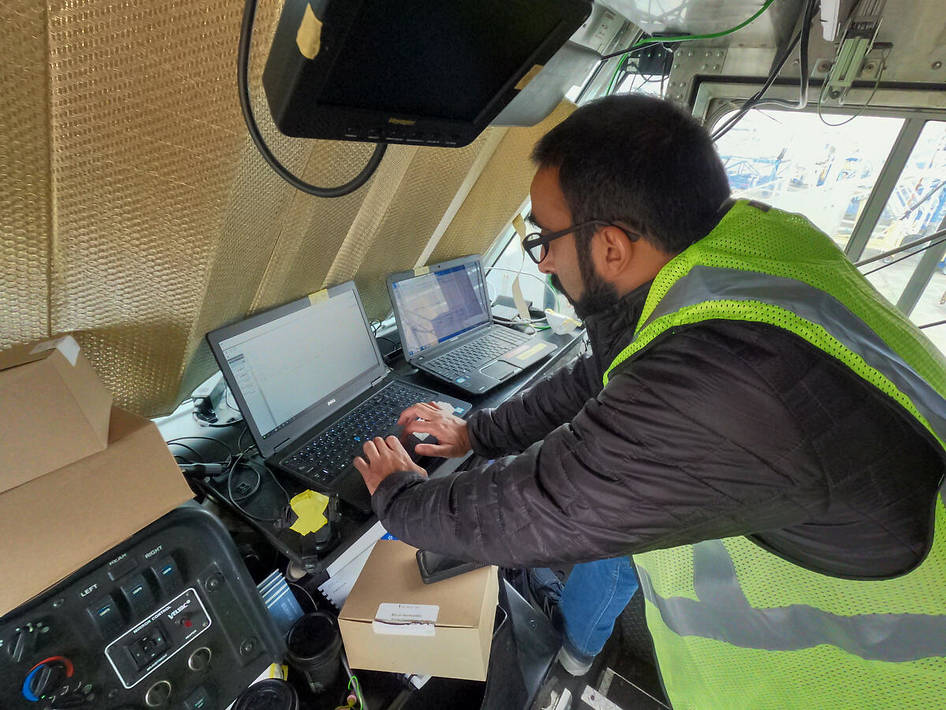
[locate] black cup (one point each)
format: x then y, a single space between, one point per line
270 694
313 649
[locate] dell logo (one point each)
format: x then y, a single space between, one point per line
331 402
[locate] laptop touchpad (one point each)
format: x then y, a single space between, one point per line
499 370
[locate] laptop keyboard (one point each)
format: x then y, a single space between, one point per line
468 357
330 453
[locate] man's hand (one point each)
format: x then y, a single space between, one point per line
384 457
453 437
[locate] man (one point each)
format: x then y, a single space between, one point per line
766 439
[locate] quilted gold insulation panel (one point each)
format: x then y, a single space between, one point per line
136 213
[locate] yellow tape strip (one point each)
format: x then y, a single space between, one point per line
530 75
309 36
421 270
318 296
519 224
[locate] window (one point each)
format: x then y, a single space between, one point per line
513 262
917 207
795 162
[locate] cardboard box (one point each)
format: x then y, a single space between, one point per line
394 622
53 410
53 524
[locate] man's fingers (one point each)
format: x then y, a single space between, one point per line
371 450
410 414
360 464
423 427
394 443
432 450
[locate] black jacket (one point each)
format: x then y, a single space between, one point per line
719 429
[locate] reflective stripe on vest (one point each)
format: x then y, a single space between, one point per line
883 637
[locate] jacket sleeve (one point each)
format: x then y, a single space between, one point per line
664 455
530 415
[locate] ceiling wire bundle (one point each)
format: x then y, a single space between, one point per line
801 39
645 42
243 83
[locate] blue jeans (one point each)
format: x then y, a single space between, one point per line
594 596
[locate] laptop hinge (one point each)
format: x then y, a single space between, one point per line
379 379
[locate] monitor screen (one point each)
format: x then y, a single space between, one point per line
416 71
475 48
440 305
288 364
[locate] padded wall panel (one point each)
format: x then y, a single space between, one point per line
144 137
24 173
135 205
499 191
413 212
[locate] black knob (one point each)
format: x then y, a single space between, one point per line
22 642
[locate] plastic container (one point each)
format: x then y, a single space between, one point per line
313 649
270 694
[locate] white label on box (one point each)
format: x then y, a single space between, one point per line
592 697
67 345
406 619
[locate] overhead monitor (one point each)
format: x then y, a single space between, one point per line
425 72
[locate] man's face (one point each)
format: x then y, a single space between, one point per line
572 274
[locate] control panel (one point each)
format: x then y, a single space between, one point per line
168 619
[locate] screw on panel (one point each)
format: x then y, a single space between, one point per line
825 66
937 65
716 67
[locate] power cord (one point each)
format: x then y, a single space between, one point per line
243 81
802 38
283 518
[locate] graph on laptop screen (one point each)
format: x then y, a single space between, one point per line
440 305
285 366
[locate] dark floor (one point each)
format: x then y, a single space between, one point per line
624 671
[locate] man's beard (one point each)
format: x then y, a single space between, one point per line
599 295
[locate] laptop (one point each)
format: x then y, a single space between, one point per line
447 329
312 386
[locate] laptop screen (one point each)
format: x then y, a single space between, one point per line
440 305
295 357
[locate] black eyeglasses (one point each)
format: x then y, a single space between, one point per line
536 244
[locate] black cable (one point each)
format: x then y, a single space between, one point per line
757 97
802 38
930 325
912 253
246 430
236 501
243 63
902 247
200 438
185 446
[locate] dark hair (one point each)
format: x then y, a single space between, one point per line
641 161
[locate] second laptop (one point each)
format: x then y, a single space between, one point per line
447 330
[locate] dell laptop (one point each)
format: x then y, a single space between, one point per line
312 386
447 329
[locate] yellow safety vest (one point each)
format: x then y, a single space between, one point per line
735 626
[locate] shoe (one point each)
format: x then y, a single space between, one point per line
574 665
